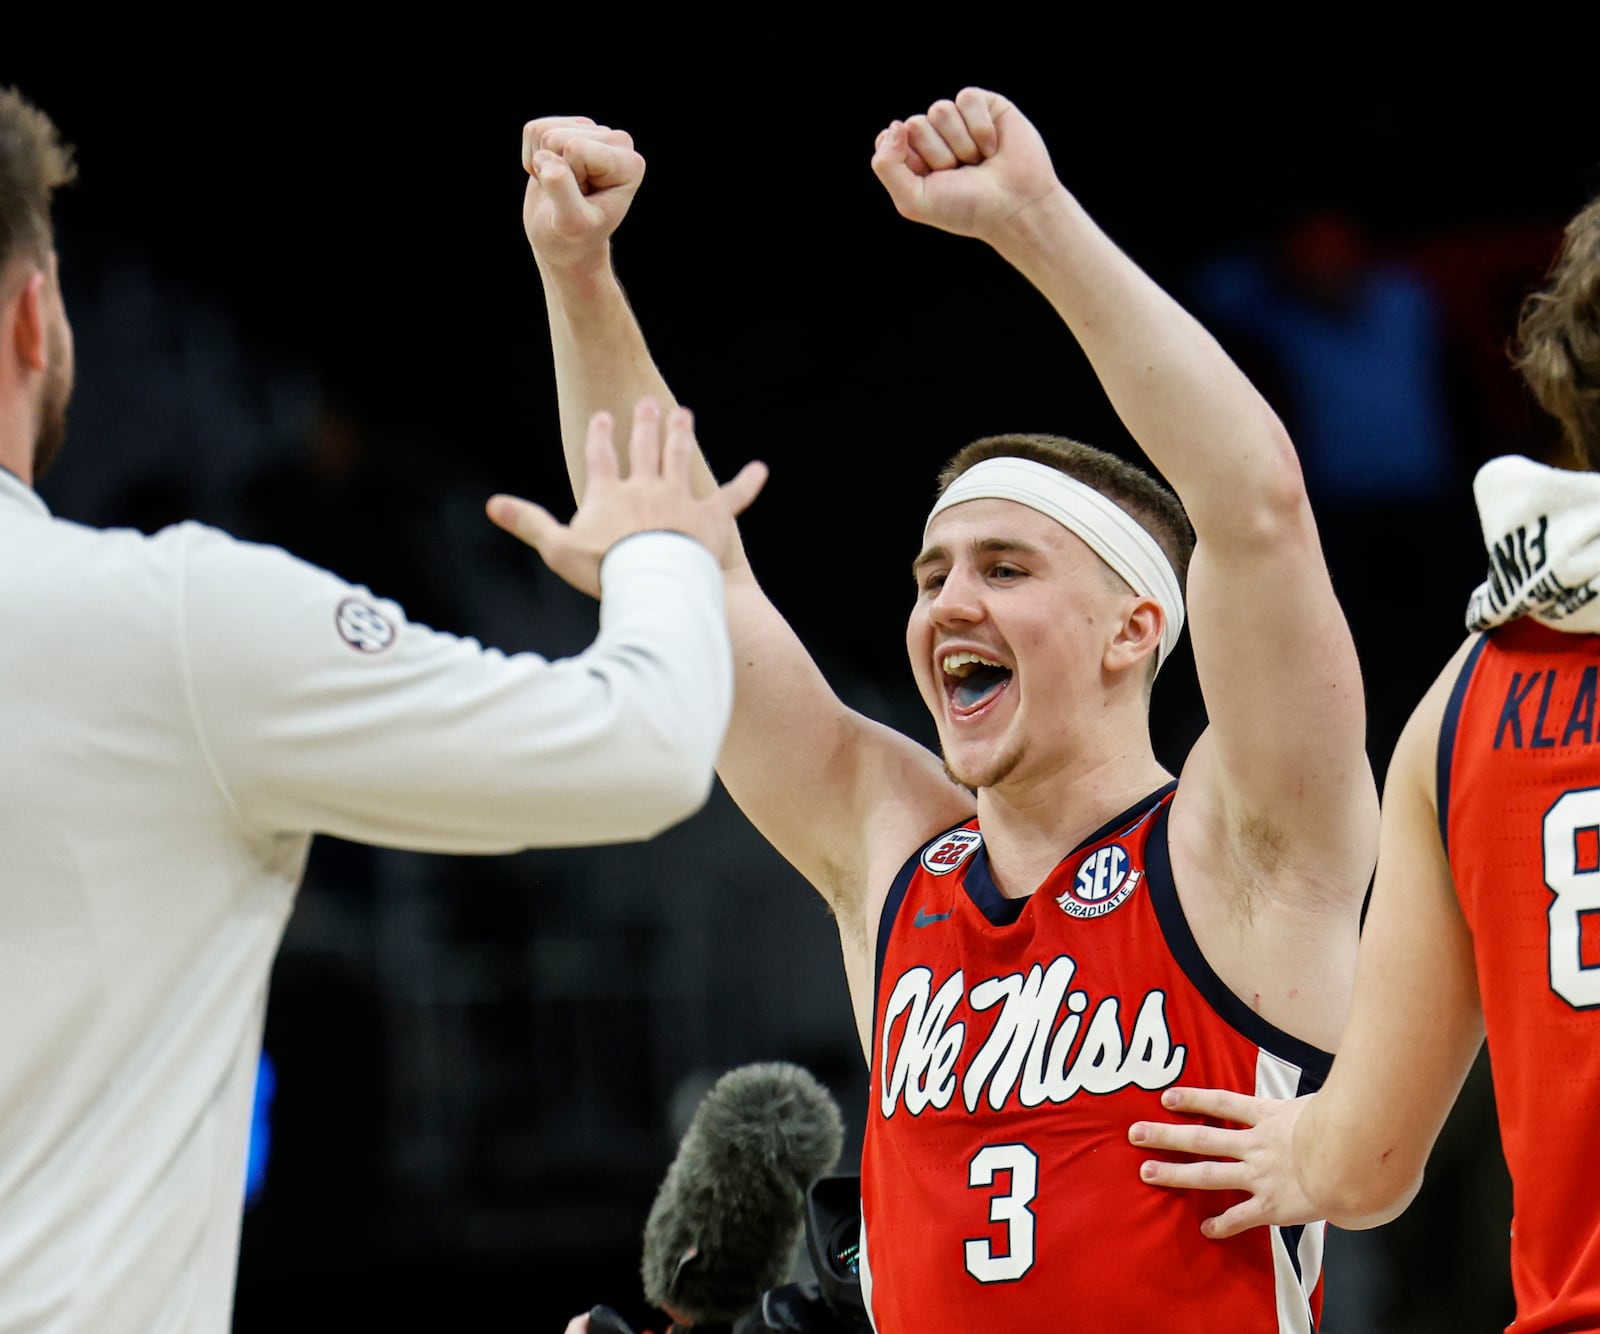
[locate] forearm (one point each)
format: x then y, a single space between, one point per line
1257 569
601 360
1183 399
321 709
1415 1025
1362 1144
1355 1172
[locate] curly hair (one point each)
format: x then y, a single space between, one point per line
34 163
1557 343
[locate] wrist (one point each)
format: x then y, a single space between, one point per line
583 301
1042 226
577 278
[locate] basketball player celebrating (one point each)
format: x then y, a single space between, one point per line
1045 928
1487 886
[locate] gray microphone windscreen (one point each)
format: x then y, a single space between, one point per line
727 1219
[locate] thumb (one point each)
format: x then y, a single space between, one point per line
745 486
557 180
1241 1218
891 165
527 522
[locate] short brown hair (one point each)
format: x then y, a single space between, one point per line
1151 505
1557 346
34 162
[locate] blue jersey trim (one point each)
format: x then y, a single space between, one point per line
1447 740
1312 1061
891 910
978 879
1291 1243
978 882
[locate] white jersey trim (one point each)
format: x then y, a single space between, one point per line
1294 1276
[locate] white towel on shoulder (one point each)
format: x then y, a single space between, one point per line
1541 527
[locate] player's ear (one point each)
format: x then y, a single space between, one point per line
27 320
1137 638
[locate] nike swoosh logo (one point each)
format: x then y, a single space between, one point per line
926 918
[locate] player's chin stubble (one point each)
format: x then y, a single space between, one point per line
991 774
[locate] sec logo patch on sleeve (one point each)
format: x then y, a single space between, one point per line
363 626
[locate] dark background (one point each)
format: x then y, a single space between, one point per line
305 311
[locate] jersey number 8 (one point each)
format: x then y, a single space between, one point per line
1572 874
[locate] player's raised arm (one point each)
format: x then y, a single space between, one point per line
800 764
1283 765
582 178
1354 1152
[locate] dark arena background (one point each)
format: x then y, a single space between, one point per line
305 311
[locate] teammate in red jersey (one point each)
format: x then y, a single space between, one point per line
1485 916
1018 1009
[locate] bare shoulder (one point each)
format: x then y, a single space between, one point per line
906 799
1416 753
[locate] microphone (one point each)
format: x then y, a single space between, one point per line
726 1222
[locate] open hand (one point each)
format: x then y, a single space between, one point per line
967 166
581 181
1258 1159
656 494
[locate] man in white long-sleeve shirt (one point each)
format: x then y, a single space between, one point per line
181 714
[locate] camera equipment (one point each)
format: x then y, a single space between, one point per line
831 1303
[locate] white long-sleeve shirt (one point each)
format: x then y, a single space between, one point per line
179 715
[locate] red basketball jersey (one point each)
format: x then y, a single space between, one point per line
1014 1043
1519 796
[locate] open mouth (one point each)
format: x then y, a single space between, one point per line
972 680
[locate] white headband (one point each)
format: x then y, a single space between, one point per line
1105 527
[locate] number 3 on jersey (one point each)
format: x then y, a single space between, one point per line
1572 874
1008 1206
